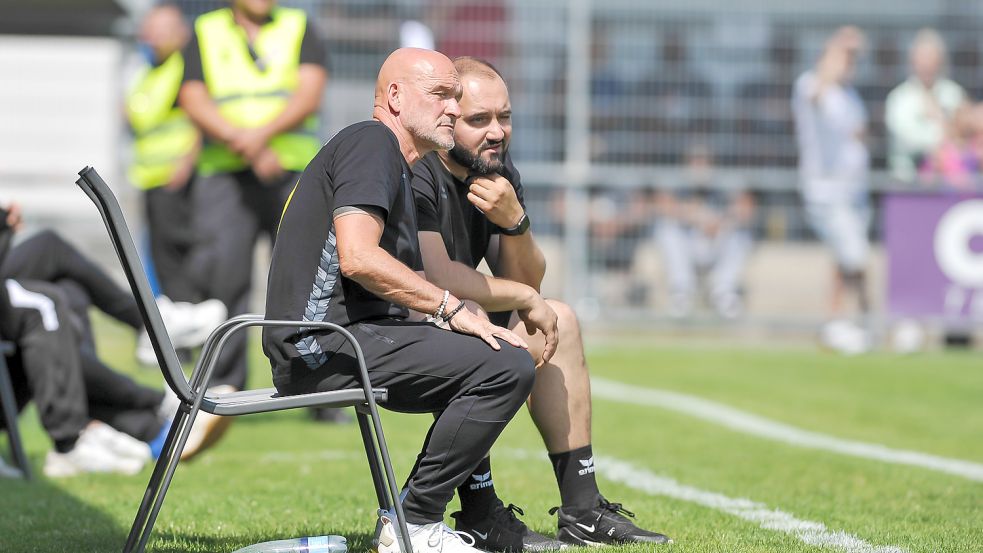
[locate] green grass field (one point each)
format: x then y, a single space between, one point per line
280 475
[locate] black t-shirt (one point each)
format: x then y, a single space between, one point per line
361 166
312 50
442 206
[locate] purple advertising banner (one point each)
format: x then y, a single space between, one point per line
935 255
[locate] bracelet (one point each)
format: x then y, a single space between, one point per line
443 303
453 312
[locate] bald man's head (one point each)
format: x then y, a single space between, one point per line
418 90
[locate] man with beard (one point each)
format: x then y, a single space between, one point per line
346 253
470 207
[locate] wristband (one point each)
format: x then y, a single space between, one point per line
520 228
443 303
449 316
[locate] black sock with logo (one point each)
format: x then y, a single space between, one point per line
477 493
575 476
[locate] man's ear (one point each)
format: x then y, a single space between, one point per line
394 97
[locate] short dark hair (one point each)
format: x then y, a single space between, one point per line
468 65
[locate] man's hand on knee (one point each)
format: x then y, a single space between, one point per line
541 317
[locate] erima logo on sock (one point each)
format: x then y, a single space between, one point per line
588 465
481 481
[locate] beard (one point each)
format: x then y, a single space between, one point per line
474 163
425 131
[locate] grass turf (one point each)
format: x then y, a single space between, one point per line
281 475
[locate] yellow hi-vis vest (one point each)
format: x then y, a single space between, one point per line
163 133
251 93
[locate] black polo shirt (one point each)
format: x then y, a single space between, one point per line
442 206
361 166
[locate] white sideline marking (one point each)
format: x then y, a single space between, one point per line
807 531
748 423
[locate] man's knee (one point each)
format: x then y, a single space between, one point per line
566 320
511 372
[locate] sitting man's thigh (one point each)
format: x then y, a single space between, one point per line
423 367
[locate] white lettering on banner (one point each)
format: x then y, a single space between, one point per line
953 249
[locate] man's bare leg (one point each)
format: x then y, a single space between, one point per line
560 403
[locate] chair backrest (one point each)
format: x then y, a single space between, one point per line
102 196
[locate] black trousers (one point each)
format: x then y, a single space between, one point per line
47 257
56 366
169 220
46 366
231 211
474 389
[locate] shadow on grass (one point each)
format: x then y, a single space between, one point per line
39 516
172 542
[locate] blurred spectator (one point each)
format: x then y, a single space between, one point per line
618 218
254 77
834 166
165 147
704 231
956 161
918 110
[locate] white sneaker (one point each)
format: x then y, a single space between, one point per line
208 428
88 455
119 443
188 325
7 471
435 537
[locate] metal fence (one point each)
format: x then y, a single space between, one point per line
609 98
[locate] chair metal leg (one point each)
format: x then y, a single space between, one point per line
172 463
168 452
380 440
8 405
372 454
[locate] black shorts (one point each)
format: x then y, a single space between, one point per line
501 318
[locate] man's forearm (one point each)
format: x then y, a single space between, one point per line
383 275
492 294
521 260
203 111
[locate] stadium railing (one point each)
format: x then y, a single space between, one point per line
195 396
8 410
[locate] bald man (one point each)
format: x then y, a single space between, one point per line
347 253
470 207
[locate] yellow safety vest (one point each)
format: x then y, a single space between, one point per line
249 96
164 134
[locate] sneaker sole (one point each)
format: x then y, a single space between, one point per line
568 536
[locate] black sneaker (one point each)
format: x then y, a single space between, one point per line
604 524
502 531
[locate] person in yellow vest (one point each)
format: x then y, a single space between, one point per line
254 77
165 147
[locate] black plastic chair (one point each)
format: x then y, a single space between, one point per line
8 410
194 394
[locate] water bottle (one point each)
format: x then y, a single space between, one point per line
317 544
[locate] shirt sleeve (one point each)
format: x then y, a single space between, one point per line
365 171
312 48
425 197
192 60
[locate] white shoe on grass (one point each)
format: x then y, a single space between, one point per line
188 325
88 455
119 443
435 537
